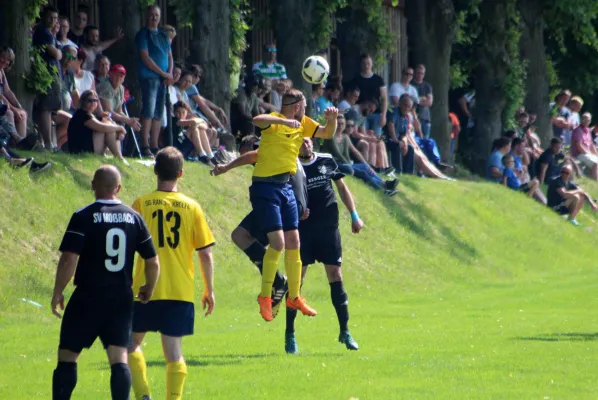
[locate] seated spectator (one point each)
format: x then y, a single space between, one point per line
342 150
583 148
102 69
93 47
62 39
350 100
565 197
521 159
70 95
264 96
15 114
280 87
189 134
398 89
88 135
268 67
317 91
511 180
112 94
244 106
76 34
330 97
548 166
356 118
84 80
500 148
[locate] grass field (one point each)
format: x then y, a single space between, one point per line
458 290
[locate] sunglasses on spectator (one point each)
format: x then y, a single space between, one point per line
93 100
69 56
271 49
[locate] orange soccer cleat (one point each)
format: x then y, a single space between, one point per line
265 307
299 303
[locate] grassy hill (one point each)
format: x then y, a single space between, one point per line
457 290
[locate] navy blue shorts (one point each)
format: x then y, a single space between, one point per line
274 206
169 317
251 225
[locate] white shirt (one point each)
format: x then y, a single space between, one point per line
90 61
343 106
67 42
397 90
85 82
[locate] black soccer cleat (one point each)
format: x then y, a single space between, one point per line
37 167
278 293
391 185
346 338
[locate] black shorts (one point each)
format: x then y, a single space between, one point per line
250 225
322 244
183 144
562 209
51 101
169 317
524 188
90 314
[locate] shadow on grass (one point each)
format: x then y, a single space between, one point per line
215 360
423 222
562 337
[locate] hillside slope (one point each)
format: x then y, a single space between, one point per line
434 272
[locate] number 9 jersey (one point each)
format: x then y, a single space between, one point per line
179 228
106 234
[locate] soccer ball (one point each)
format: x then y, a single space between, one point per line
315 69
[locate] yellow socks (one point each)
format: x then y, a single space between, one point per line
139 374
269 267
176 372
292 265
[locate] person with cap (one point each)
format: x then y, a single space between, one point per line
583 148
112 93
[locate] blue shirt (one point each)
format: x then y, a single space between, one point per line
43 37
563 112
518 162
495 160
192 91
322 103
512 180
157 44
400 122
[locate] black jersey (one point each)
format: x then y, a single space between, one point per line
297 181
321 199
106 234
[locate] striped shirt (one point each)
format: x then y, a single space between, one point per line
273 71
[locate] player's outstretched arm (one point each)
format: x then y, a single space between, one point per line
265 120
152 273
328 131
207 274
246 159
64 273
347 199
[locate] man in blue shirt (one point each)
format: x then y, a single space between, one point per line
155 72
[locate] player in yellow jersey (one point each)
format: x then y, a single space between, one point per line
178 229
272 198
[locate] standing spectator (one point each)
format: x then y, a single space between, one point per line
455 126
50 102
583 148
330 97
93 47
112 94
500 147
70 95
265 95
398 89
62 36
15 111
76 33
575 105
426 99
155 73
459 106
84 80
280 87
102 68
268 67
565 197
547 166
372 87
350 100
560 115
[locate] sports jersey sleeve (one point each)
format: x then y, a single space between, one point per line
335 174
310 127
73 240
202 235
145 245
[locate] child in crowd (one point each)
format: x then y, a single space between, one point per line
511 180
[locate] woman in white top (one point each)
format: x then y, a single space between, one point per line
84 80
61 37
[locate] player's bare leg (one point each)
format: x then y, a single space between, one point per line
138 367
340 301
176 369
120 375
64 378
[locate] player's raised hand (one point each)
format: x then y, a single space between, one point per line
305 215
356 225
208 301
57 301
331 113
292 123
145 293
219 169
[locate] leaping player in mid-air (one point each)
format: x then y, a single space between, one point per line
271 195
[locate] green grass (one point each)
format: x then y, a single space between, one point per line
458 290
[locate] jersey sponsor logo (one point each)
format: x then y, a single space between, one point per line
323 169
113 218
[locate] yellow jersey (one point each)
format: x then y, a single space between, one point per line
279 147
178 228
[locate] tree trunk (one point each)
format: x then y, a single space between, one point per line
433 30
352 39
292 28
127 15
210 49
534 52
14 32
491 73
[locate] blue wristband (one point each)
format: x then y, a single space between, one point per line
354 215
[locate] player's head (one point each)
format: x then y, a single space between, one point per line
169 164
106 182
307 149
293 100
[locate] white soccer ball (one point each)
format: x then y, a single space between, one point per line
315 69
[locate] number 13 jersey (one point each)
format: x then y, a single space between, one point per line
106 234
179 228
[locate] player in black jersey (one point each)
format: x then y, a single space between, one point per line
98 248
320 237
248 237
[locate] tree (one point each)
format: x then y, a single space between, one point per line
433 28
